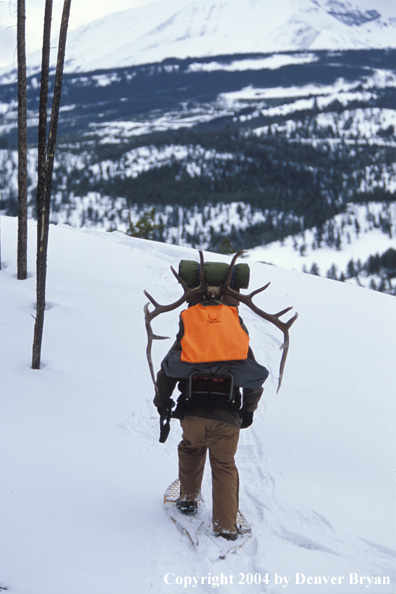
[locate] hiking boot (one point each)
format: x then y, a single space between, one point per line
227 535
186 507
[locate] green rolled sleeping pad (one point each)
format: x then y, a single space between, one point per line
215 274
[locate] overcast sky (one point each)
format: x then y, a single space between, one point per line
84 11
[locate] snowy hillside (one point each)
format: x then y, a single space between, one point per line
82 472
351 237
192 28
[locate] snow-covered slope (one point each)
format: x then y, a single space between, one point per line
359 239
82 472
191 28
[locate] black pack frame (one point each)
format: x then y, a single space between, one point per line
214 385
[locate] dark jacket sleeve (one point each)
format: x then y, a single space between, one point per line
251 396
164 387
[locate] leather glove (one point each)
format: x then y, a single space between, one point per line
247 418
166 410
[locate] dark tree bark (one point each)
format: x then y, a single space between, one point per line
22 143
46 153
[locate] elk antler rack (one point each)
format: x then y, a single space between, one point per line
192 294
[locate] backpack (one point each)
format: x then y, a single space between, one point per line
212 332
213 338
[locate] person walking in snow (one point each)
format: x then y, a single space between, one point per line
209 422
220 387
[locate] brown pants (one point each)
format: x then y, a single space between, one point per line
199 434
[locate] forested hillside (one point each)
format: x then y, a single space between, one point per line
226 153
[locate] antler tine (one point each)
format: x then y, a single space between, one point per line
230 270
281 313
202 283
260 290
201 269
272 318
150 337
285 349
179 279
150 315
153 301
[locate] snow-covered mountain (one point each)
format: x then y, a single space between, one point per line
194 28
82 472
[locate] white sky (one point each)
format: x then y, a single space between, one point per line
84 11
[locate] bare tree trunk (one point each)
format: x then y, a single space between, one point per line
41 256
57 97
46 153
22 143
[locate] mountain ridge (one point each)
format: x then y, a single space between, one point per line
198 28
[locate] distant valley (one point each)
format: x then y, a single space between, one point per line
226 152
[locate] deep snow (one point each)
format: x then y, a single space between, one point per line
82 472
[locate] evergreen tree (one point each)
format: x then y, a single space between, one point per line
226 246
373 285
332 272
388 261
315 269
146 225
351 270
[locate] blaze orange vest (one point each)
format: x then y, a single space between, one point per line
213 333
